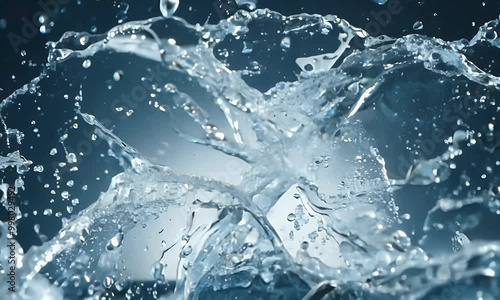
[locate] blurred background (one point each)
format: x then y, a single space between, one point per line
23 53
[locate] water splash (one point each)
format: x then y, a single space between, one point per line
336 143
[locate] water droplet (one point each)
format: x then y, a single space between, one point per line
157 271
418 25
247 48
86 63
71 158
84 40
304 245
401 239
187 250
108 282
459 136
116 241
285 43
291 217
117 76
53 151
168 7
38 169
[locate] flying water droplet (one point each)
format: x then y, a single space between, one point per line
168 7
87 63
247 48
116 241
285 43
108 282
418 25
71 158
117 76
157 271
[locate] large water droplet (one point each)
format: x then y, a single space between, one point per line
168 7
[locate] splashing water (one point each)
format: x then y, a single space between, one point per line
323 158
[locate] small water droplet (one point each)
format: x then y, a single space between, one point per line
115 242
71 158
304 245
108 282
117 76
247 48
418 25
187 250
285 43
86 63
